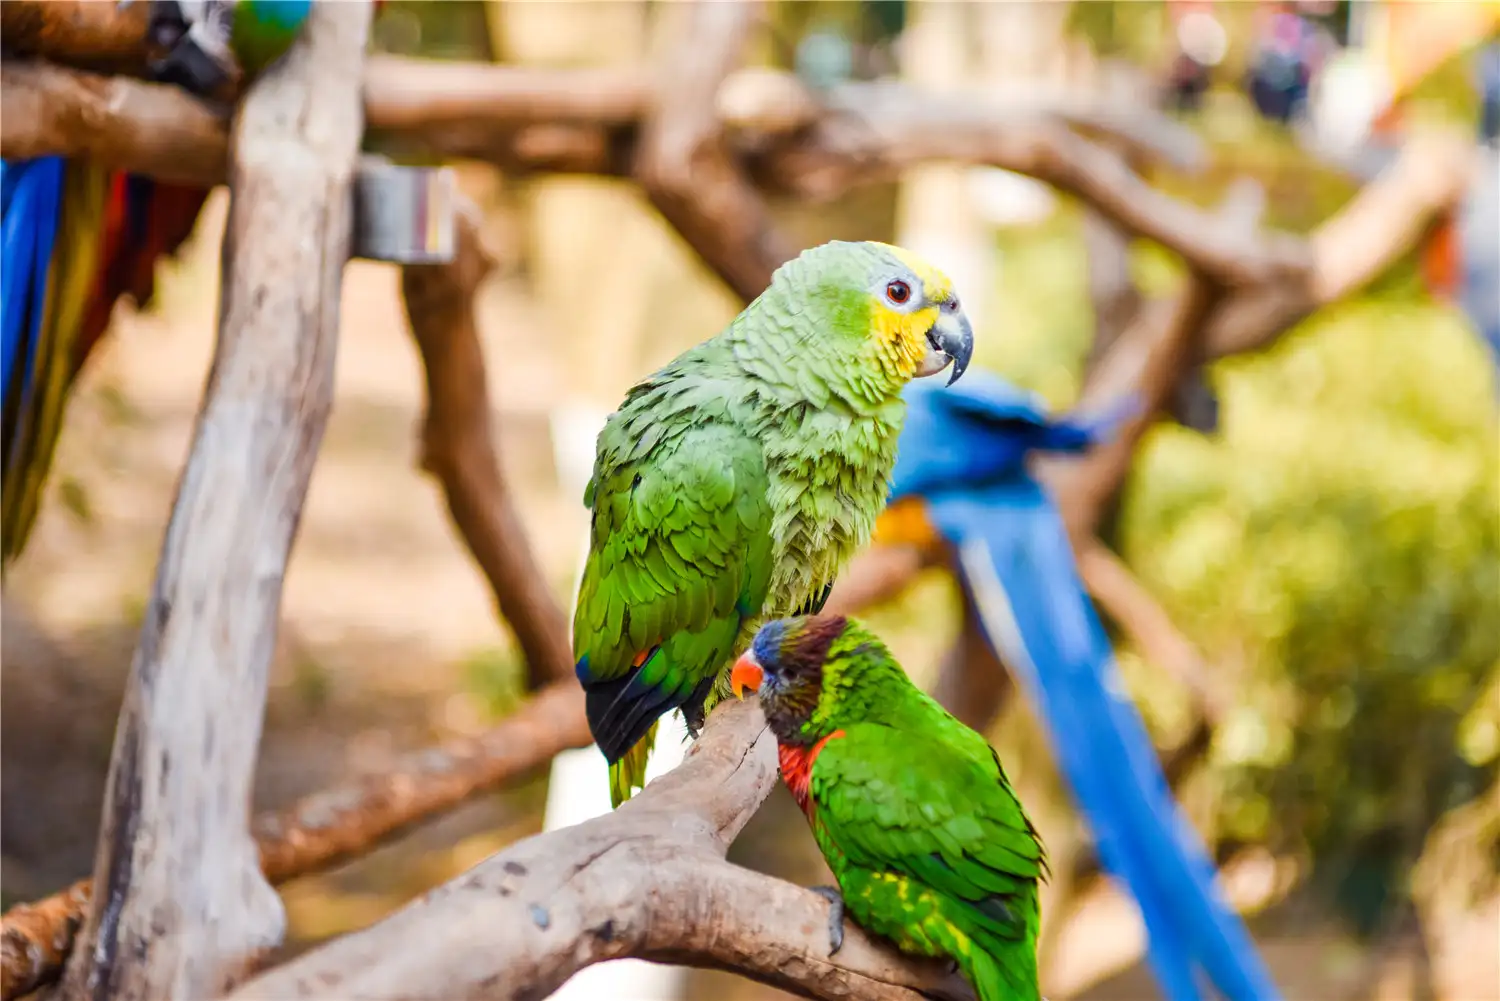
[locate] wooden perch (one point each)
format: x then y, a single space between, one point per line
186 909
329 827
648 880
683 162
864 134
458 448
114 119
105 36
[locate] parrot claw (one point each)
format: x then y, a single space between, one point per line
835 916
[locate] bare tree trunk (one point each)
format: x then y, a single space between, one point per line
184 909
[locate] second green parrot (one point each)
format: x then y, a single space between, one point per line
733 484
925 837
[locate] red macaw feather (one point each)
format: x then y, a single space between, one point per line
144 220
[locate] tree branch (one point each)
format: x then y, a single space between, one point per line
1084 486
333 826
329 827
648 880
684 166
1151 630
161 130
1381 225
458 448
104 36
863 134
186 909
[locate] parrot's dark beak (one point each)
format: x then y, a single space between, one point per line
747 674
952 337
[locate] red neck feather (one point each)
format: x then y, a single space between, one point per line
796 769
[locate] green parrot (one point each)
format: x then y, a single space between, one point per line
925 836
263 30
733 484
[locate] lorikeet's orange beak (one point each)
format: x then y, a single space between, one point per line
747 673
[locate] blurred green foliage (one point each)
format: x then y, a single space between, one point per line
1336 546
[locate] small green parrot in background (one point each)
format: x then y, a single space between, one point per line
733 484
925 836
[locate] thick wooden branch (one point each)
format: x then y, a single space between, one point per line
1384 222
606 122
329 827
458 448
105 36
186 909
47 109
684 164
648 880
1085 485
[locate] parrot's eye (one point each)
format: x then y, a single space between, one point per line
898 292
952 304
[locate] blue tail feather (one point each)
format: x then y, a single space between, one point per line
965 456
1033 607
31 195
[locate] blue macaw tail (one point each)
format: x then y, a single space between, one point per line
1014 551
30 198
43 324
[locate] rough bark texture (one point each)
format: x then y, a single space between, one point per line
184 908
648 880
331 826
458 447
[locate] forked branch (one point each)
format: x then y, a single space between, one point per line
331 826
649 880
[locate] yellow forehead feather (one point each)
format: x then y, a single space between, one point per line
934 283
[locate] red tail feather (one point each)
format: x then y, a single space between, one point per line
127 261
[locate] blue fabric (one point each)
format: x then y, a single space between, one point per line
963 450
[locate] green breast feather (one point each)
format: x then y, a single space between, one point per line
930 848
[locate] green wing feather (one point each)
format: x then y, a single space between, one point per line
680 556
932 849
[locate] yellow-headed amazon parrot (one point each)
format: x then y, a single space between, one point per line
733 484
